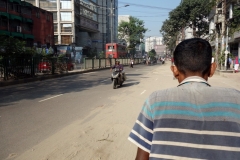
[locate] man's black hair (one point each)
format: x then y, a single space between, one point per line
193 56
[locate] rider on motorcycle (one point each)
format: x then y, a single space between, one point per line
120 67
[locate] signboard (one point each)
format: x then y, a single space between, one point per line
160 49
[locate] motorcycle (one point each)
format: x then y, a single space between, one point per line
116 78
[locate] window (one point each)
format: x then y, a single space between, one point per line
66 16
4 22
10 6
55 39
27 11
16 8
55 27
37 14
54 16
3 4
88 14
66 27
27 27
48 17
66 39
65 4
48 4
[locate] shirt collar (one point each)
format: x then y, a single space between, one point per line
194 79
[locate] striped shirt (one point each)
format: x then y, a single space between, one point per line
192 121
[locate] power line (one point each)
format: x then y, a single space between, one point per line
153 21
145 6
150 16
142 11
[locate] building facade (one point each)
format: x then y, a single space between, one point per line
151 42
23 21
220 39
82 23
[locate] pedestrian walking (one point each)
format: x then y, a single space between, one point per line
192 120
131 63
230 62
236 64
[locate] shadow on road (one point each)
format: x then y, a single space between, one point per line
40 89
130 84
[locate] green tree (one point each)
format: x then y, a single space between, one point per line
152 53
189 14
102 54
234 23
131 32
11 47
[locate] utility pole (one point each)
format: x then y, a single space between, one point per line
112 26
226 47
216 40
223 27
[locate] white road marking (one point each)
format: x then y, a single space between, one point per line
89 73
104 80
50 98
143 92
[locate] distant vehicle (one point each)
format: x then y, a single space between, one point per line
46 66
70 66
115 50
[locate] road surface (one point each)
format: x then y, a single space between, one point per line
80 116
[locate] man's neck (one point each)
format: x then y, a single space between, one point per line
181 77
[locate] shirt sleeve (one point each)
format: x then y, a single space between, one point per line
142 132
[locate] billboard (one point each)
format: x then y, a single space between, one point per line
160 49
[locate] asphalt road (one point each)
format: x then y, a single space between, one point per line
32 114
29 113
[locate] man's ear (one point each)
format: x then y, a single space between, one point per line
175 71
213 68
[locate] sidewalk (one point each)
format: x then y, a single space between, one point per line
228 74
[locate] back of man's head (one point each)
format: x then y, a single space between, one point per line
193 56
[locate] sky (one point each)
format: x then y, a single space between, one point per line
152 12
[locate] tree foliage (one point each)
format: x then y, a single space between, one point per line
12 47
152 53
189 14
234 23
131 31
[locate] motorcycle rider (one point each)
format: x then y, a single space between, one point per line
120 67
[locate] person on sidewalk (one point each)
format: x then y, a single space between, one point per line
236 64
192 120
131 63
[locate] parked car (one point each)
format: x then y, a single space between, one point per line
46 66
70 66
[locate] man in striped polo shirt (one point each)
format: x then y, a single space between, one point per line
193 120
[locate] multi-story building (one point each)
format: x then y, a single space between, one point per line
84 23
151 42
220 39
21 20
